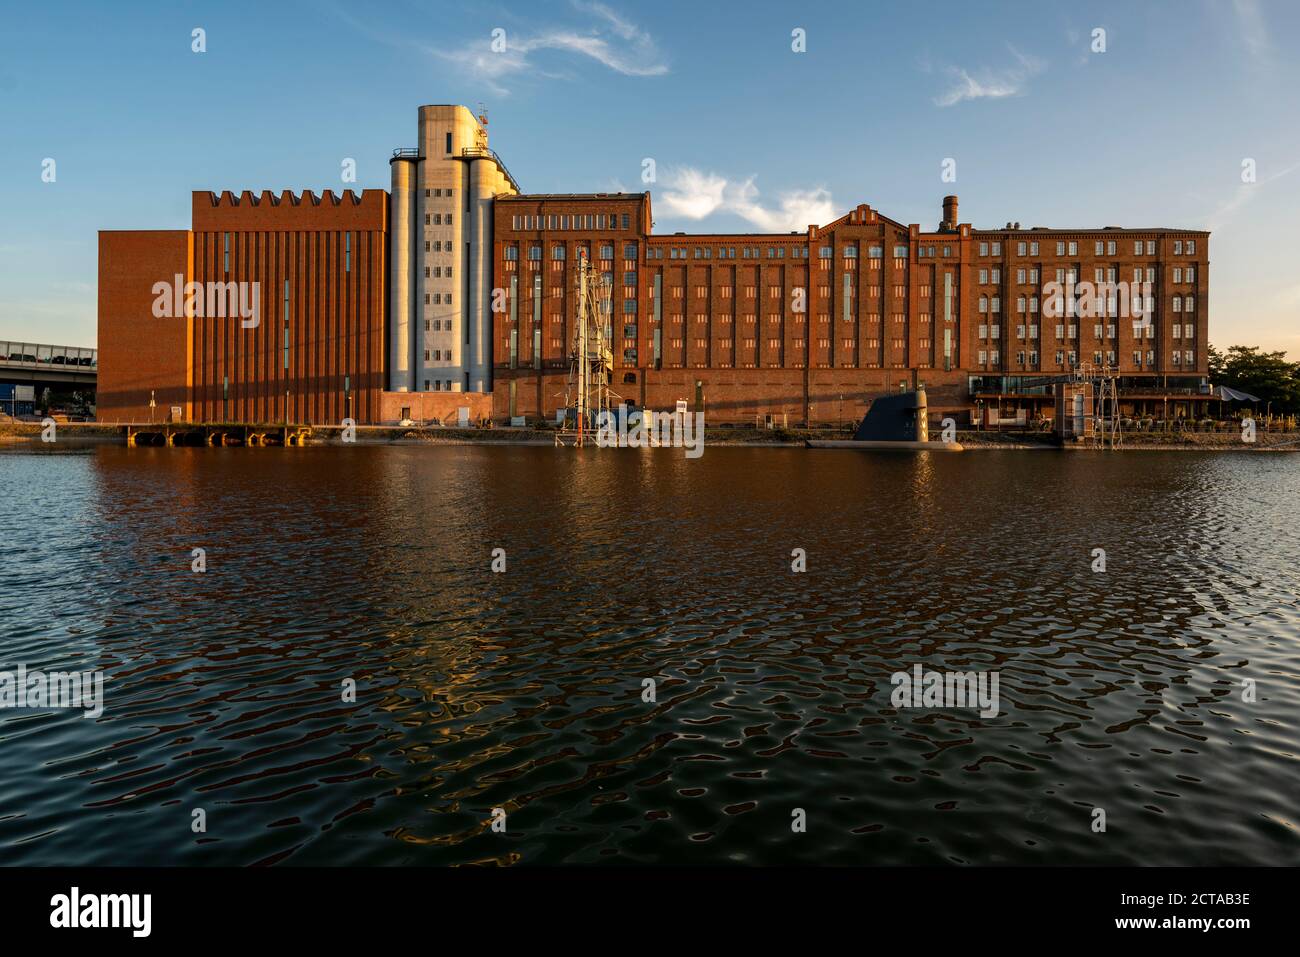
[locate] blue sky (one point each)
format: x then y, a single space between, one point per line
745 133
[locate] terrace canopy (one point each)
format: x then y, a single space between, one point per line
1225 394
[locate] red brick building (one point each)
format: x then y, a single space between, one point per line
463 307
141 357
311 347
809 327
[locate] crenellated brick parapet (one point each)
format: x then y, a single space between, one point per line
267 211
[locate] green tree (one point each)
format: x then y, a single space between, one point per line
1217 364
1265 374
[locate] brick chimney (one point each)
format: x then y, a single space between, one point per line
949 223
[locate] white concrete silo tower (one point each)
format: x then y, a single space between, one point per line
441 305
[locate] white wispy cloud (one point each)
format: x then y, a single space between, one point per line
1252 29
696 194
1242 195
607 37
989 82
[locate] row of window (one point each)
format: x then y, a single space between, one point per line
1105 305
559 252
1100 331
729 252
586 221
1101 247
775 344
1029 275
1183 357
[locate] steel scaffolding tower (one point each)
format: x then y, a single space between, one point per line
591 360
1107 430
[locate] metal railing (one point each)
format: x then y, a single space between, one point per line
36 355
468 152
485 153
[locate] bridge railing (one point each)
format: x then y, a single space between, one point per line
36 355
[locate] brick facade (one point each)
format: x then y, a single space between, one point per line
139 355
809 327
801 327
317 352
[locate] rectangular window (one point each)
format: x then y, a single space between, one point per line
448 143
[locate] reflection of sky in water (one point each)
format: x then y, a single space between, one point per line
522 690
